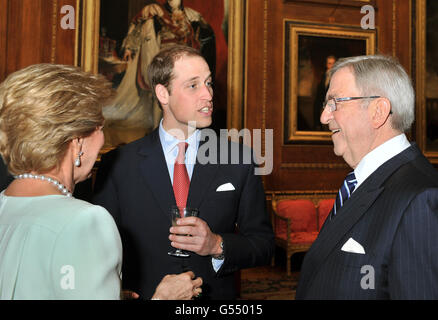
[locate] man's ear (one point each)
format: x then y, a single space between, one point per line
380 111
162 94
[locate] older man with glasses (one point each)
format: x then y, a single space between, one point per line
379 241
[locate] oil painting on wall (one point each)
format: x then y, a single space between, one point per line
132 32
310 53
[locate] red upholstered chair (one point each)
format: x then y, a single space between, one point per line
295 226
323 210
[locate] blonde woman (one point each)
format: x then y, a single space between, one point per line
53 246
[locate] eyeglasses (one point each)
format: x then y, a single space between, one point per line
332 103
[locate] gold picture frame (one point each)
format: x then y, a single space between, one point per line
307 48
351 3
426 77
87 55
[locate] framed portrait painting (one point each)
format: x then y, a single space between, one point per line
310 52
427 77
120 38
354 3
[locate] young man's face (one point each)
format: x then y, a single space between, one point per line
191 96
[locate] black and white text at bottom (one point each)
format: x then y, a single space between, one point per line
222 309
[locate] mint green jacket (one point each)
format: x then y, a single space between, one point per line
55 247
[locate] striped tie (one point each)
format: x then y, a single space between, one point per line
344 193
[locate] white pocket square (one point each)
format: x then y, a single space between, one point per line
353 246
225 187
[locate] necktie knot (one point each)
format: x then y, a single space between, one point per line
351 181
182 148
345 192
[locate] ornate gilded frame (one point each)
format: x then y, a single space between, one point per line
87 55
236 58
293 30
420 81
352 3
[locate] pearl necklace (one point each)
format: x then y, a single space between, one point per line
56 183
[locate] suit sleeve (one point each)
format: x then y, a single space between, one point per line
413 270
105 191
253 245
87 257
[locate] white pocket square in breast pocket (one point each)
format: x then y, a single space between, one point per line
353 246
225 187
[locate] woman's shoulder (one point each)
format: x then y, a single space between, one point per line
57 212
79 210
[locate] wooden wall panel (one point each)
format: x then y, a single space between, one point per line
64 40
3 37
31 33
306 167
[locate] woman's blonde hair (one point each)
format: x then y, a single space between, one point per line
42 108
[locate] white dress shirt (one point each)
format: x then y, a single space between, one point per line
374 159
170 148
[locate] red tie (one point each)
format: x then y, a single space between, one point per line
181 181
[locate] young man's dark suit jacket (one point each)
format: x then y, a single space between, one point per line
394 216
5 177
133 184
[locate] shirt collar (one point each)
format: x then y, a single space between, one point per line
169 142
379 156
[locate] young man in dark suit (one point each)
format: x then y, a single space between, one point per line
380 239
138 185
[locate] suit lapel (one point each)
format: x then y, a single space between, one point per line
154 171
153 168
352 211
336 229
202 177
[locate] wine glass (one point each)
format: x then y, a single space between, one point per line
175 214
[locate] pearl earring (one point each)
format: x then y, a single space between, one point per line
78 159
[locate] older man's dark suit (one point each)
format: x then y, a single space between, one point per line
133 184
394 216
